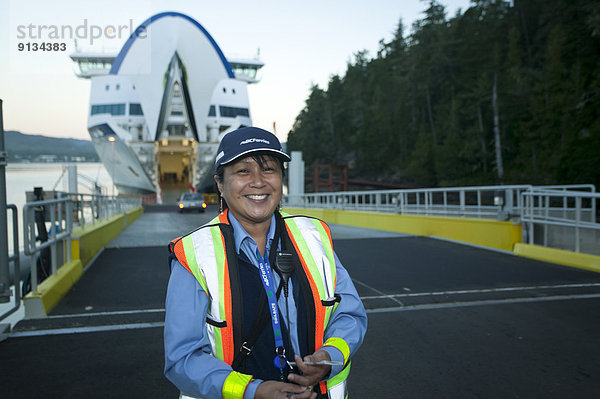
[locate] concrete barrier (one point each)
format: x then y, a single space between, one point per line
51 290
559 256
483 232
86 242
89 239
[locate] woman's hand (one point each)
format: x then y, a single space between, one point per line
311 375
282 390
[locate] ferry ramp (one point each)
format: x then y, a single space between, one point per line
445 320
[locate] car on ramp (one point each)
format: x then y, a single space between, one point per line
191 202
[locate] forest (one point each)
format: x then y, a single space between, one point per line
500 93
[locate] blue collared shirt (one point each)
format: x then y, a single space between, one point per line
189 364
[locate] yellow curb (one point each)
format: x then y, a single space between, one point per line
483 232
559 256
51 290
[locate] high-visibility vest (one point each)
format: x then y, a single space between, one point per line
204 254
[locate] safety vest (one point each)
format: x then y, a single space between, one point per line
204 253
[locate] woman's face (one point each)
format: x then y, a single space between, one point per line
252 192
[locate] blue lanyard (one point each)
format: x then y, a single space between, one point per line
266 276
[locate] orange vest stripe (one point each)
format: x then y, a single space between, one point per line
180 253
227 332
225 299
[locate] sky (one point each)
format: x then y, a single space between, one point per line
302 43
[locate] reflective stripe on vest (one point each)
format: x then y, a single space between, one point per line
312 240
203 252
204 256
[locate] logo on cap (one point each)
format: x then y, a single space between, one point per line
255 140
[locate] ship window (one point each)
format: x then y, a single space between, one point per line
118 86
176 113
224 90
232 112
113 109
135 109
233 90
212 111
106 87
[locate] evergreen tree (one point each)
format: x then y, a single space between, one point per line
497 93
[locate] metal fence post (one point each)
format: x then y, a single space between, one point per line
546 214
69 228
531 208
577 220
4 275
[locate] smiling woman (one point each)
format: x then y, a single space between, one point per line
252 189
229 275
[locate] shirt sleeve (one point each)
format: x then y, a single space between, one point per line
189 363
349 321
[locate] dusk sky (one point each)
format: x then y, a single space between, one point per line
301 43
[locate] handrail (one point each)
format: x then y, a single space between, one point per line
63 213
543 208
574 210
59 231
477 201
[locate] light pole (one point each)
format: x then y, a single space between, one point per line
112 163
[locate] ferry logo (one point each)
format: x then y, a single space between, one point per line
264 277
255 140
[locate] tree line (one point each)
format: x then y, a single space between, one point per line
502 93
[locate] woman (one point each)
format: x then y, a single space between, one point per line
257 297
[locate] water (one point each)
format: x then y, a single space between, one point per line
22 177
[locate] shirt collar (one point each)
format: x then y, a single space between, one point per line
243 240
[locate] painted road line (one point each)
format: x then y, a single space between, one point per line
450 305
383 294
482 291
115 313
80 330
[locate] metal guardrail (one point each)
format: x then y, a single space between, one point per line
63 214
541 209
60 214
564 219
481 202
91 207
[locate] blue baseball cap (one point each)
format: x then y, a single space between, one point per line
244 141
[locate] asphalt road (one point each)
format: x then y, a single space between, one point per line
445 321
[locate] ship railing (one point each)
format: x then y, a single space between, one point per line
89 208
62 215
562 219
558 216
59 212
480 202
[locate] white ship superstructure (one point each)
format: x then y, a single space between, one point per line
159 107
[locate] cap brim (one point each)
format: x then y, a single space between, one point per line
279 154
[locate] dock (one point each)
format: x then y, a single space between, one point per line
445 320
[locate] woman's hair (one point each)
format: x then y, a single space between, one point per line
261 160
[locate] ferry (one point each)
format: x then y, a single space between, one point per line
160 106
